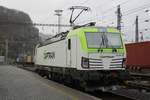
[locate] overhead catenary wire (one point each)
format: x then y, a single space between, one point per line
137 9
96 18
38 24
134 10
145 29
129 12
84 2
113 8
123 3
34 24
51 25
106 11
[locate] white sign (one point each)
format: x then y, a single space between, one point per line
2 59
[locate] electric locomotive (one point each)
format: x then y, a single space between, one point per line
91 57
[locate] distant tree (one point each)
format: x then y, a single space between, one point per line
22 38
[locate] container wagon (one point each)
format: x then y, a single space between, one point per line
87 56
25 60
138 56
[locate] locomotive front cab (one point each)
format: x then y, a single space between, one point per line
104 49
98 54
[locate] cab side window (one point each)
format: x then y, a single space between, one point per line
69 44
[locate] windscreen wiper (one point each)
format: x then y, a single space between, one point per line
105 40
107 45
102 43
113 48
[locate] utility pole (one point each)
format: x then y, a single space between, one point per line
136 30
6 51
119 18
59 14
141 38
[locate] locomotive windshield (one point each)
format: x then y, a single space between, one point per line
103 40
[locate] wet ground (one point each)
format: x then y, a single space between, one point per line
19 84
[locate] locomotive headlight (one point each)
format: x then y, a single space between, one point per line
85 62
124 63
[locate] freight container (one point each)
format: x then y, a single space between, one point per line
138 55
25 60
29 59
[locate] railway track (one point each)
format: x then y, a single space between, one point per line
108 95
134 90
132 94
141 85
140 76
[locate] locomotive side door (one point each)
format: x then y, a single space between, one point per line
69 52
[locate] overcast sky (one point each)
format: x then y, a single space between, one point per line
102 11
